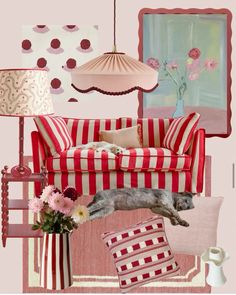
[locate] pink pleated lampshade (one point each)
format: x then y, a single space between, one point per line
114 73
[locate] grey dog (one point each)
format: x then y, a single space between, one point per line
161 202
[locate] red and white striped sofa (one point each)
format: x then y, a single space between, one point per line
151 166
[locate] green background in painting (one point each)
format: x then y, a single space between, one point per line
170 37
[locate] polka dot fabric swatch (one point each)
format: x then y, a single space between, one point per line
59 49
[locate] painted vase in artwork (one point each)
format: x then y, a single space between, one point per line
56 262
181 75
179 109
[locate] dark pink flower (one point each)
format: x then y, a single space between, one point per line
193 65
56 190
153 63
172 65
194 53
210 64
71 193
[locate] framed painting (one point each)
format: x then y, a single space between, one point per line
191 50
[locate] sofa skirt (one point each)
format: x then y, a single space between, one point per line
91 183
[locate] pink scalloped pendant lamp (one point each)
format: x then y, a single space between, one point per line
114 73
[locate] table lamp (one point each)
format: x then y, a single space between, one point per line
24 93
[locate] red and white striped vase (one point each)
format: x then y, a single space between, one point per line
56 262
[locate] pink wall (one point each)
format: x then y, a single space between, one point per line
17 13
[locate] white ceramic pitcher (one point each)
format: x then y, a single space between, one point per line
215 257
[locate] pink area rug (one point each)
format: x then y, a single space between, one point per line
93 268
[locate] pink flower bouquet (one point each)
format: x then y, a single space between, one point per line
59 211
194 66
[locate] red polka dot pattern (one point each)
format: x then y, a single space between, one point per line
72 99
59 49
71 63
85 44
55 83
55 43
26 44
70 28
41 62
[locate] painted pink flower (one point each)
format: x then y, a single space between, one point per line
193 64
210 64
70 192
194 53
172 65
193 76
56 201
153 63
36 205
67 206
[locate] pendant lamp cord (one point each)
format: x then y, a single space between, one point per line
114 44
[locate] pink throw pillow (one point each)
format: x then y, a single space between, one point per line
126 137
202 232
180 133
54 132
141 253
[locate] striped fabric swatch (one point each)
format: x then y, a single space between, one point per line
56 267
180 133
55 133
141 253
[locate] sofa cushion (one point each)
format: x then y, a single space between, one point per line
180 133
153 130
126 137
83 131
202 232
153 159
54 132
86 160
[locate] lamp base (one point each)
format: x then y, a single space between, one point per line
20 171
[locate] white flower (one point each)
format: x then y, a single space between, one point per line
80 214
47 191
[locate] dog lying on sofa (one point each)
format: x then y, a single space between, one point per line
161 202
102 146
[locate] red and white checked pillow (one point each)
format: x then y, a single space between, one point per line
141 253
180 133
54 132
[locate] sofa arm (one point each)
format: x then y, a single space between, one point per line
197 152
39 156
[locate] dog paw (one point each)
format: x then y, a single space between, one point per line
184 223
174 221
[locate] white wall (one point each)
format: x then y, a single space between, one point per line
14 14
